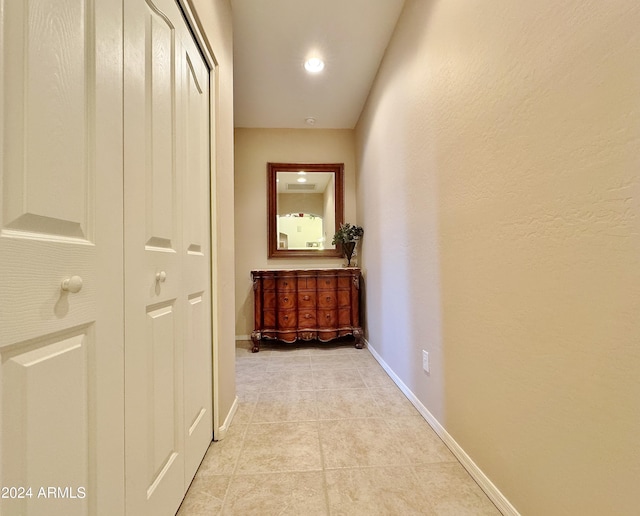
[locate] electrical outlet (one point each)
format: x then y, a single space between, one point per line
425 360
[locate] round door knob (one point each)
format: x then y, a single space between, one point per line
161 276
72 284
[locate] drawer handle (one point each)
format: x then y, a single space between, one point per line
286 299
306 298
327 282
286 317
286 284
328 298
307 316
328 317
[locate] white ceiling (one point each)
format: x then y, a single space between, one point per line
272 39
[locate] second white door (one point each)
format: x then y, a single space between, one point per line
168 416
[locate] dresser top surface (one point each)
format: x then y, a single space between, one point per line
309 270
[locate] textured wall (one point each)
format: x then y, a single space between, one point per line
499 189
254 148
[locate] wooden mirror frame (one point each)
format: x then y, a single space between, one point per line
272 208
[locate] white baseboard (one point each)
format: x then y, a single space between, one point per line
222 431
494 494
243 337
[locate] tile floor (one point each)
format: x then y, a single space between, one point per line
323 430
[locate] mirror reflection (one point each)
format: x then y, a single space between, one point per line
306 214
305 208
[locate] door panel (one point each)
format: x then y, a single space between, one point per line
46 170
49 114
61 353
167 286
161 336
153 326
65 412
196 131
197 388
196 255
160 127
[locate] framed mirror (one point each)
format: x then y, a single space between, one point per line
305 209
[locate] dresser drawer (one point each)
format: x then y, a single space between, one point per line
268 283
286 300
344 298
327 283
344 282
306 283
269 300
306 299
287 284
327 318
287 319
344 317
327 299
268 319
307 318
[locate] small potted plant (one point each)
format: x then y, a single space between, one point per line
347 236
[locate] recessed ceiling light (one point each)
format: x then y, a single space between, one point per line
314 65
302 180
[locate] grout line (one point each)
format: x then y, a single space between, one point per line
369 390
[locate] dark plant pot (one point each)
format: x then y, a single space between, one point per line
348 248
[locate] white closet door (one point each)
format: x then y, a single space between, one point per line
61 372
167 258
195 158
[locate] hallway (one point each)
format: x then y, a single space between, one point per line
324 430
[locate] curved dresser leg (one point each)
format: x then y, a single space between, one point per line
358 334
255 338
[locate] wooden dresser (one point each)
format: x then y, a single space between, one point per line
306 304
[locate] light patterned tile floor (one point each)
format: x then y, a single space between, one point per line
322 430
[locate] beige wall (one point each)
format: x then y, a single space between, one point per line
254 148
214 17
499 190
306 203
